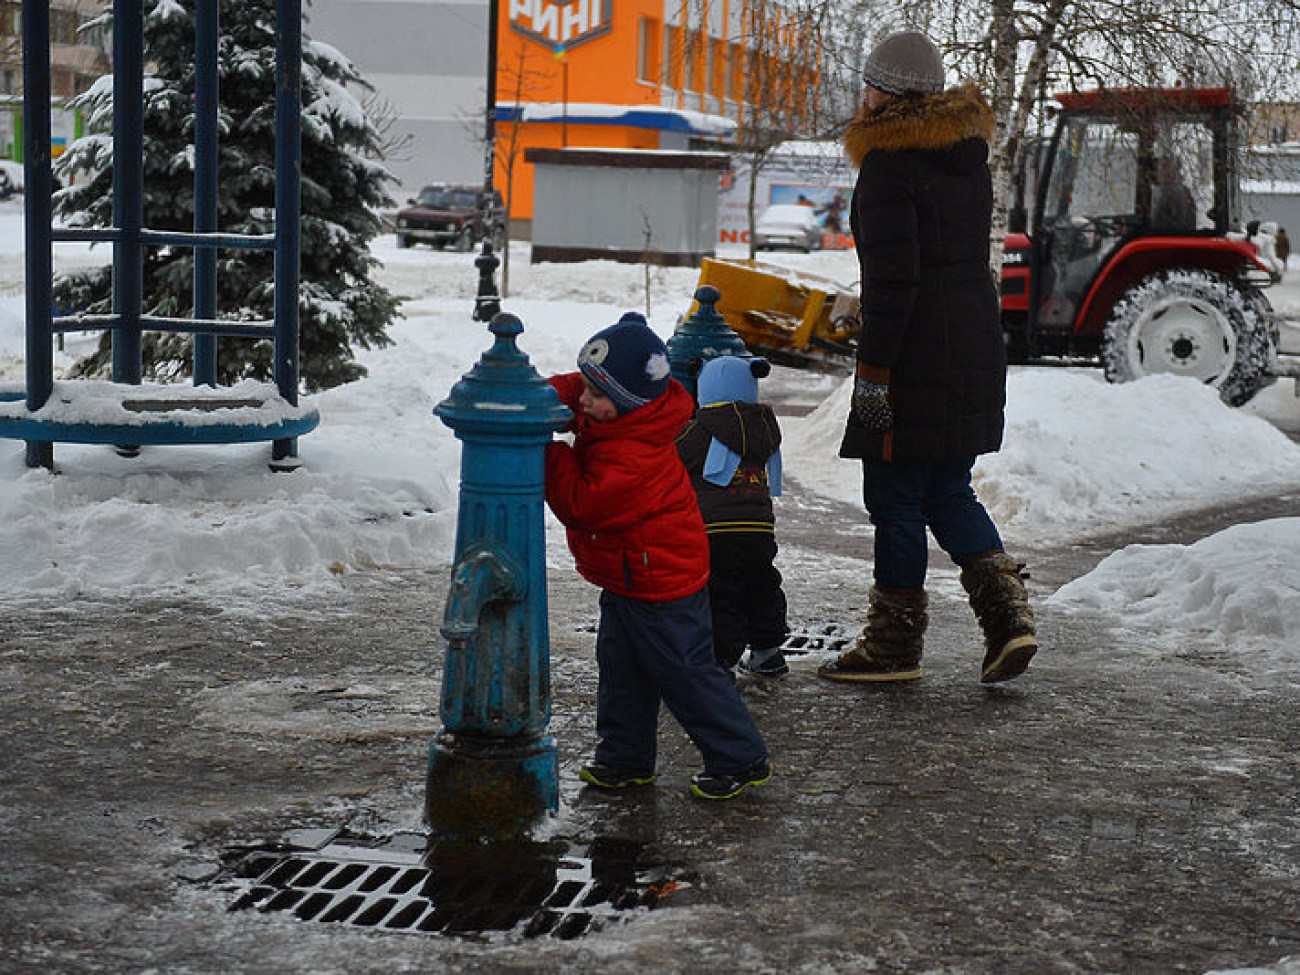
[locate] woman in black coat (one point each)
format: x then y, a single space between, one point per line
930 384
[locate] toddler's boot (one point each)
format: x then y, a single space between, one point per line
890 646
1001 604
764 663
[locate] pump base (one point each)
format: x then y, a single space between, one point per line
490 788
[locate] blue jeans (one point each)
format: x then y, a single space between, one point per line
904 498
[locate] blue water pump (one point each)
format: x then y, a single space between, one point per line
493 769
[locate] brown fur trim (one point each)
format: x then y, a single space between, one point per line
931 122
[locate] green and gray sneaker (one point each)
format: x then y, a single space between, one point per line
730 785
608 777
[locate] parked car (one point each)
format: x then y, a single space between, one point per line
444 215
788 225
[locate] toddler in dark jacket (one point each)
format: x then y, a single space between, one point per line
732 450
634 529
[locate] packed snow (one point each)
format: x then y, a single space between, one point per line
378 484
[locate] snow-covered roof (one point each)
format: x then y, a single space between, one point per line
820 149
636 116
1273 187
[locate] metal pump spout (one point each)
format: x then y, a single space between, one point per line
483 572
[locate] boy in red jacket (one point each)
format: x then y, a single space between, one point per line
635 530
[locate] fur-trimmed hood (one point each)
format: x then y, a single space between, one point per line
932 122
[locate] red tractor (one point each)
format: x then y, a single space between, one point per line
1129 254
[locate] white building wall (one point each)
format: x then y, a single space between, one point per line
428 60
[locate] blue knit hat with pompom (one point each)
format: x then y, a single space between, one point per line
627 362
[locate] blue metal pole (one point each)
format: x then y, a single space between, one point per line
288 203
205 185
128 186
38 213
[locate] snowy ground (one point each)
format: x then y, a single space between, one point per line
379 483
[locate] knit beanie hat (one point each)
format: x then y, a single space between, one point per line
627 362
730 379
905 62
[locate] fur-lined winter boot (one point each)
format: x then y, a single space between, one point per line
1001 604
890 646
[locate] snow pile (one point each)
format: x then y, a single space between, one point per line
1080 455
1241 585
1078 451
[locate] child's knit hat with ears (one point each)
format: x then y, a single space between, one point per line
627 362
730 379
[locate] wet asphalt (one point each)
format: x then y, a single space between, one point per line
1129 805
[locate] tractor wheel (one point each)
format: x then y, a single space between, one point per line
1190 322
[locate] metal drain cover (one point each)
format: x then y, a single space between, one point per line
812 636
455 889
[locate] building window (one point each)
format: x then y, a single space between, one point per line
692 58
11 19
63 26
647 51
672 58
717 68
736 72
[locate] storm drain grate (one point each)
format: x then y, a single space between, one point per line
528 889
817 637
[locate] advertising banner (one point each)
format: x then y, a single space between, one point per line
812 174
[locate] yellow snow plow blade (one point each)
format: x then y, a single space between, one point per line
792 318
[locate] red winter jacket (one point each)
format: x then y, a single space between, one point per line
621 491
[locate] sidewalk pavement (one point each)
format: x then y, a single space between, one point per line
1111 811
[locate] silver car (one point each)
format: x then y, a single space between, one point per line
788 225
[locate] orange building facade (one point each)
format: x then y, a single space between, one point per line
637 74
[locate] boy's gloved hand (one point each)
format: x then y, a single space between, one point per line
871 405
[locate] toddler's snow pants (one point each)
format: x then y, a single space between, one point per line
745 593
648 651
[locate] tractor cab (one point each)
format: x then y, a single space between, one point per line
1128 253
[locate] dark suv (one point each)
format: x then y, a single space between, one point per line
445 215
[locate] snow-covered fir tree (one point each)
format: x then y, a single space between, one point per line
343 186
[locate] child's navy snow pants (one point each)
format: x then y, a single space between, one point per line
648 651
